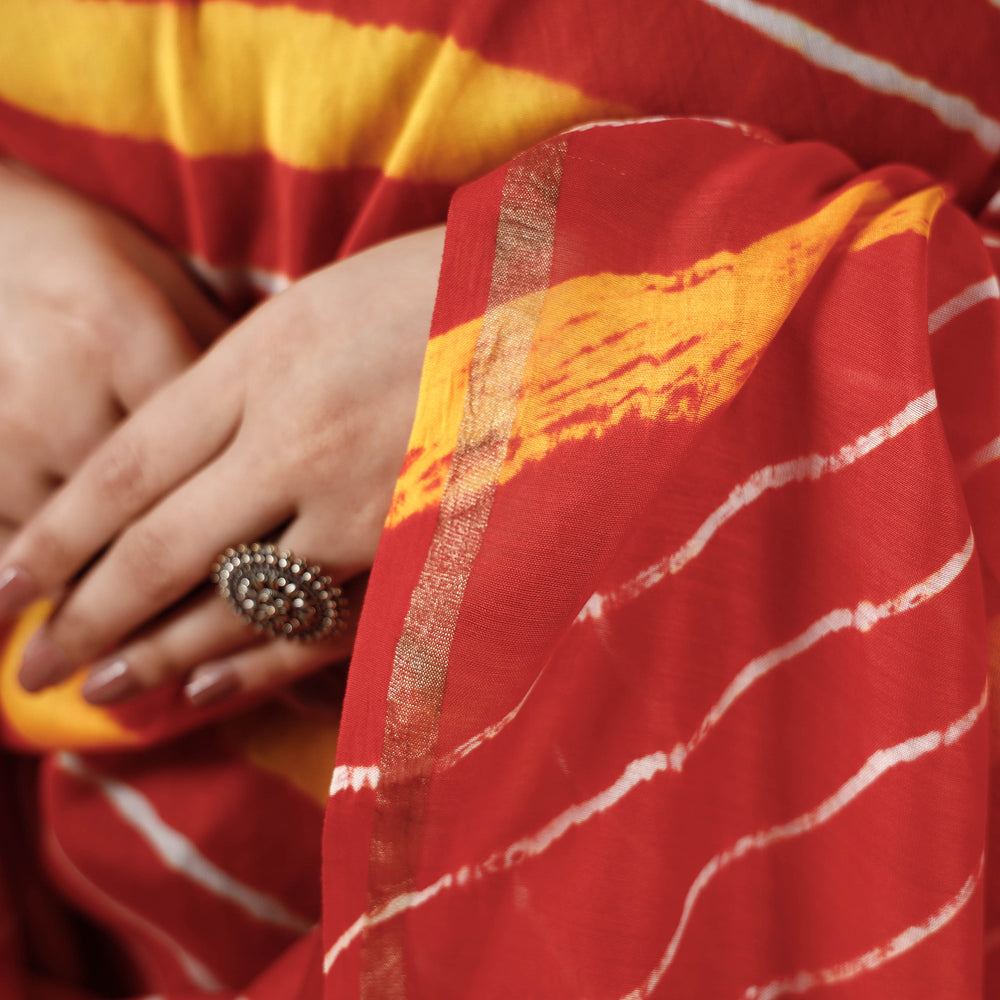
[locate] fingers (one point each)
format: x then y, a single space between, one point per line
155 562
304 414
67 445
97 317
202 630
25 489
201 317
55 408
7 531
165 443
277 661
227 656
157 349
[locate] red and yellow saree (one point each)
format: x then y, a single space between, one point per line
673 677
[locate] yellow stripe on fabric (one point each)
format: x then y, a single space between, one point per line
315 91
611 346
911 215
299 748
58 716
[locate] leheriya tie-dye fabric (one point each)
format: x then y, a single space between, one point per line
674 673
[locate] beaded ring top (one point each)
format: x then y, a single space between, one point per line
279 593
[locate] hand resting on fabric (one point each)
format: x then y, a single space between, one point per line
95 317
297 420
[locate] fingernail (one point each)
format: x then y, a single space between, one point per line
43 664
110 682
212 684
17 590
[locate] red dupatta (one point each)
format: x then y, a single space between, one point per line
673 675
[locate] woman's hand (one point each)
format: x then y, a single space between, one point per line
298 419
95 317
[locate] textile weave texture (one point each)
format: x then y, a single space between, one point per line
675 676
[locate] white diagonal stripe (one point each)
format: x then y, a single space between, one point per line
638 772
771 477
197 972
861 618
877 765
227 280
981 291
179 853
620 123
354 777
491 732
644 769
823 50
874 958
989 452
746 129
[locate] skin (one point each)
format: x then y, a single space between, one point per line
96 316
297 419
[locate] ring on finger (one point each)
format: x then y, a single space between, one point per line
279 592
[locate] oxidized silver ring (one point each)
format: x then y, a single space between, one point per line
278 592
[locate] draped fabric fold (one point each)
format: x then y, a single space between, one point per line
677 640
676 672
